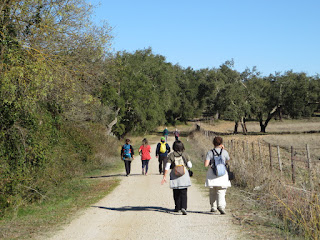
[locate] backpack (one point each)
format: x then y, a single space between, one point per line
179 168
126 151
218 166
163 147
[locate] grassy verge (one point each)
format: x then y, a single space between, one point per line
66 184
74 195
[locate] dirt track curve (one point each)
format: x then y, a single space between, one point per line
141 208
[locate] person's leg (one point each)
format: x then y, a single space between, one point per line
184 198
213 198
176 197
129 166
160 159
147 166
126 165
221 197
166 137
143 166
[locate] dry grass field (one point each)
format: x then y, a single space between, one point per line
274 126
295 204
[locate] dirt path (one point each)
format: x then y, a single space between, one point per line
141 208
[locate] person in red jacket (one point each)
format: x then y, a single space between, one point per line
144 151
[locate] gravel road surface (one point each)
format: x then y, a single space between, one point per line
141 208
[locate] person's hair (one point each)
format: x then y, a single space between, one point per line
178 146
145 141
127 140
217 141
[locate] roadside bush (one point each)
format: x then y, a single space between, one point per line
40 153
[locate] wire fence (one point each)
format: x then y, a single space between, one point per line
299 164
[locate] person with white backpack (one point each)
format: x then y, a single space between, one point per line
217 175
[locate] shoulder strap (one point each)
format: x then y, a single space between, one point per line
183 158
215 151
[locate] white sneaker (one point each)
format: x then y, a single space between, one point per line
184 212
213 209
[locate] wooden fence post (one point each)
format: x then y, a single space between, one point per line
231 147
293 166
270 154
253 158
309 167
248 150
244 149
260 152
279 159
234 147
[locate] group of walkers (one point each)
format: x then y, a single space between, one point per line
178 161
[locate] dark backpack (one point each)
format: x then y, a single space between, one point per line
126 151
218 166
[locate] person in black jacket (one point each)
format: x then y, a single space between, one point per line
162 151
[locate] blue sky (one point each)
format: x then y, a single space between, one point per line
273 35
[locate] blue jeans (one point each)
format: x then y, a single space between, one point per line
145 164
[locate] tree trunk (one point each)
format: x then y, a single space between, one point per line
262 128
280 113
236 127
243 125
271 114
216 116
114 121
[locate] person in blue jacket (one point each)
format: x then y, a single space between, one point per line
162 151
127 155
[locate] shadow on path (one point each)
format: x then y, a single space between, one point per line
115 175
149 208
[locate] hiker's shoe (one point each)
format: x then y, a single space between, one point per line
184 212
222 211
177 210
213 209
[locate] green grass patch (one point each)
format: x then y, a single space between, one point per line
65 201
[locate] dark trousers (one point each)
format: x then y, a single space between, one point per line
145 164
127 165
162 163
180 198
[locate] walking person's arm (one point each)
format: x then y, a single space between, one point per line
208 158
121 153
157 150
132 151
164 180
